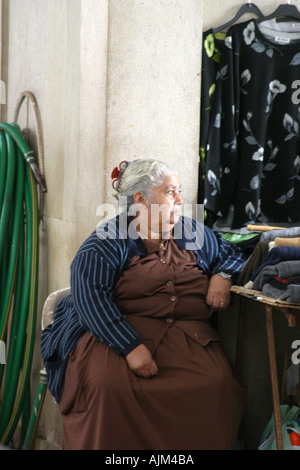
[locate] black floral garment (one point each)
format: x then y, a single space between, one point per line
212 48
253 150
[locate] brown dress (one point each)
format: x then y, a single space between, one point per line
193 403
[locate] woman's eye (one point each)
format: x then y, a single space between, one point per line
172 192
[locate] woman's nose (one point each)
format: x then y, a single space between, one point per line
179 199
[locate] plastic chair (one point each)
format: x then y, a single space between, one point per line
51 304
48 312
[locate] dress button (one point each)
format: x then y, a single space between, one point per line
173 298
169 283
169 320
196 335
162 260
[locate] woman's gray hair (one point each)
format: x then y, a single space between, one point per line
142 175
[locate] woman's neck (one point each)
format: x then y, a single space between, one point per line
155 235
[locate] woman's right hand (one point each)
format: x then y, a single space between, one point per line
141 362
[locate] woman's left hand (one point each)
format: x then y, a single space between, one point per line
218 294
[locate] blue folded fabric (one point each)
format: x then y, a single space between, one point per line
277 255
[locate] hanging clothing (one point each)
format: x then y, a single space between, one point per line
212 47
253 151
194 402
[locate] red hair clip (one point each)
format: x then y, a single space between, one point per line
117 173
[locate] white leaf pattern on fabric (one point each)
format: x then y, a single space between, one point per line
259 155
228 42
291 126
276 87
214 181
287 121
251 140
222 73
250 211
258 47
254 183
217 122
245 77
296 59
286 197
249 34
297 168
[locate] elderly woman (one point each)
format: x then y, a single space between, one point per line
131 355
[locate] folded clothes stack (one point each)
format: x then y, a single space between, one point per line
281 280
274 266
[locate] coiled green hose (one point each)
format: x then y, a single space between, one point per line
19 246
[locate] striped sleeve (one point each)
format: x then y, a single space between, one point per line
93 279
222 255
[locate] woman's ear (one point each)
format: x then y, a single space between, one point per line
139 198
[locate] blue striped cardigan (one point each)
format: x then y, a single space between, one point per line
95 271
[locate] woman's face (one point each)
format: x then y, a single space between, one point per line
168 199
163 208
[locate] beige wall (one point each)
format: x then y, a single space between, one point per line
57 49
114 80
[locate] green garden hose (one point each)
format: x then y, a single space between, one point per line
36 410
19 250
